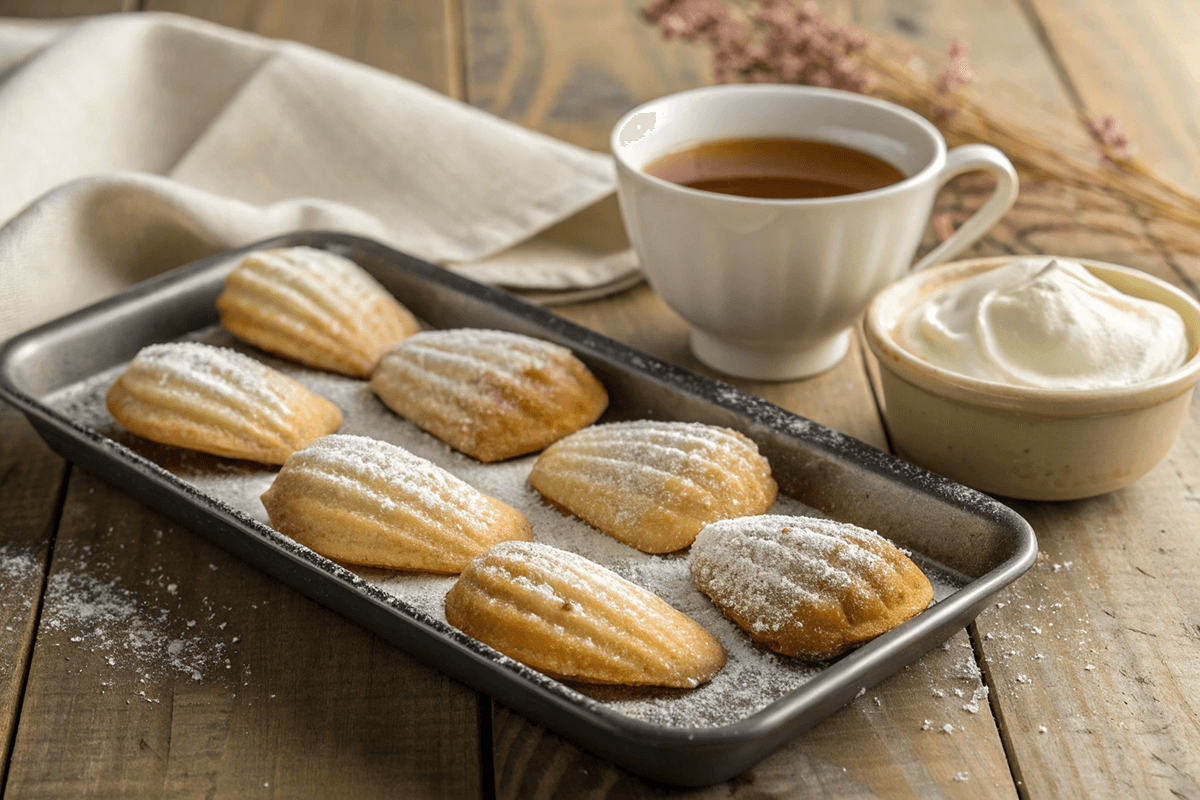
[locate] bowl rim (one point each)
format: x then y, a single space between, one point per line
1048 402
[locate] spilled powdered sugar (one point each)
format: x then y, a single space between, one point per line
136 631
19 567
752 679
120 626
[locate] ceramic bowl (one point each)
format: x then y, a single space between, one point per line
1020 442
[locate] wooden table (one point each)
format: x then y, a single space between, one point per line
1090 663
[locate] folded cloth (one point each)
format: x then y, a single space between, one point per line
133 143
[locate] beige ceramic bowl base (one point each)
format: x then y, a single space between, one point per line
1044 458
1021 443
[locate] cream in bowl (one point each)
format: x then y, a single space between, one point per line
1042 378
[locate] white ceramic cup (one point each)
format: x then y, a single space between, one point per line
772 287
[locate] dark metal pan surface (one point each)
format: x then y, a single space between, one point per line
970 545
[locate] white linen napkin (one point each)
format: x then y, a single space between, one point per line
133 143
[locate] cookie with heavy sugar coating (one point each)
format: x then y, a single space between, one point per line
490 394
654 485
806 587
313 307
362 501
575 620
218 401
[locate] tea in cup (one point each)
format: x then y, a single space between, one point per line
768 216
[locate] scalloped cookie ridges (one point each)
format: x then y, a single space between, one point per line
654 485
807 587
573 619
362 501
490 394
218 401
313 307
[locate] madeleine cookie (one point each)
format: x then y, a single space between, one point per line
654 485
362 501
218 401
313 307
490 394
805 587
575 620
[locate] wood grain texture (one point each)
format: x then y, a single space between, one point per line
917 734
31 480
571 69
1137 62
409 39
63 8
166 667
1067 679
1090 660
1001 41
1093 656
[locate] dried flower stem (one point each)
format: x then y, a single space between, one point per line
785 42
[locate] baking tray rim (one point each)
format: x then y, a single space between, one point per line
777 722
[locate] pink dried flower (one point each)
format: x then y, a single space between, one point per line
705 20
795 44
1114 145
958 72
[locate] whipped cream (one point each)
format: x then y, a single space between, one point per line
1045 323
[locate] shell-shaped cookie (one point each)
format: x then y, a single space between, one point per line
654 485
362 501
218 401
573 619
490 394
314 307
805 587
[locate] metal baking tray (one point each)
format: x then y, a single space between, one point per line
972 543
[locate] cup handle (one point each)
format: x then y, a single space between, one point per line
968 158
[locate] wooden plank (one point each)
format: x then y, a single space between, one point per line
259 689
165 666
63 8
1137 62
410 39
570 69
31 478
1092 656
993 32
914 735
1072 670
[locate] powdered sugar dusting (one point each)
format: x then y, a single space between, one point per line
447 363
744 560
308 276
19 566
134 629
377 471
752 679
114 622
207 371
